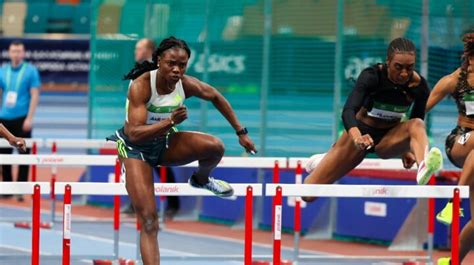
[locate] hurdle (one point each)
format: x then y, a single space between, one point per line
367 164
35 189
179 189
357 191
55 160
34 144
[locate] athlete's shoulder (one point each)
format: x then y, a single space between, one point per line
454 76
188 80
190 83
416 80
140 88
142 80
373 69
450 81
369 77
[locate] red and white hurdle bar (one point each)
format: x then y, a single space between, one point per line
371 164
179 189
117 189
277 190
364 191
55 160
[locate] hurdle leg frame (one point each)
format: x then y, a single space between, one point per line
117 211
67 226
455 228
248 226
431 224
54 172
137 241
277 219
163 179
35 230
297 221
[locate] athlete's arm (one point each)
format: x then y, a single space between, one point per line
194 87
138 130
421 96
12 139
366 80
443 87
354 101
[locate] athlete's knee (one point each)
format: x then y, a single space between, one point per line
149 222
415 125
217 147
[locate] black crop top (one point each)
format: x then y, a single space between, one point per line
464 95
382 98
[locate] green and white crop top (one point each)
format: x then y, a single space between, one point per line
160 107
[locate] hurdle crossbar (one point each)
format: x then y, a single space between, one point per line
168 189
364 191
23 188
29 142
367 163
249 190
109 160
80 143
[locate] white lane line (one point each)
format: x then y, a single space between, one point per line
241 242
27 250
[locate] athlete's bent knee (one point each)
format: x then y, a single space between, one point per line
415 125
217 147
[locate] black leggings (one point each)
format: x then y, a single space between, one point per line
15 126
376 133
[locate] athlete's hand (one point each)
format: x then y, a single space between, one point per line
179 115
19 143
408 160
364 142
246 142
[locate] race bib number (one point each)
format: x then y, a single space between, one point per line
10 100
387 111
463 138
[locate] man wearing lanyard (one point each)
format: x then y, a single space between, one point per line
144 52
19 84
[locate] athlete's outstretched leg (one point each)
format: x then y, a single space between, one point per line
339 160
140 188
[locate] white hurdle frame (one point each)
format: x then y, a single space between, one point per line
358 191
